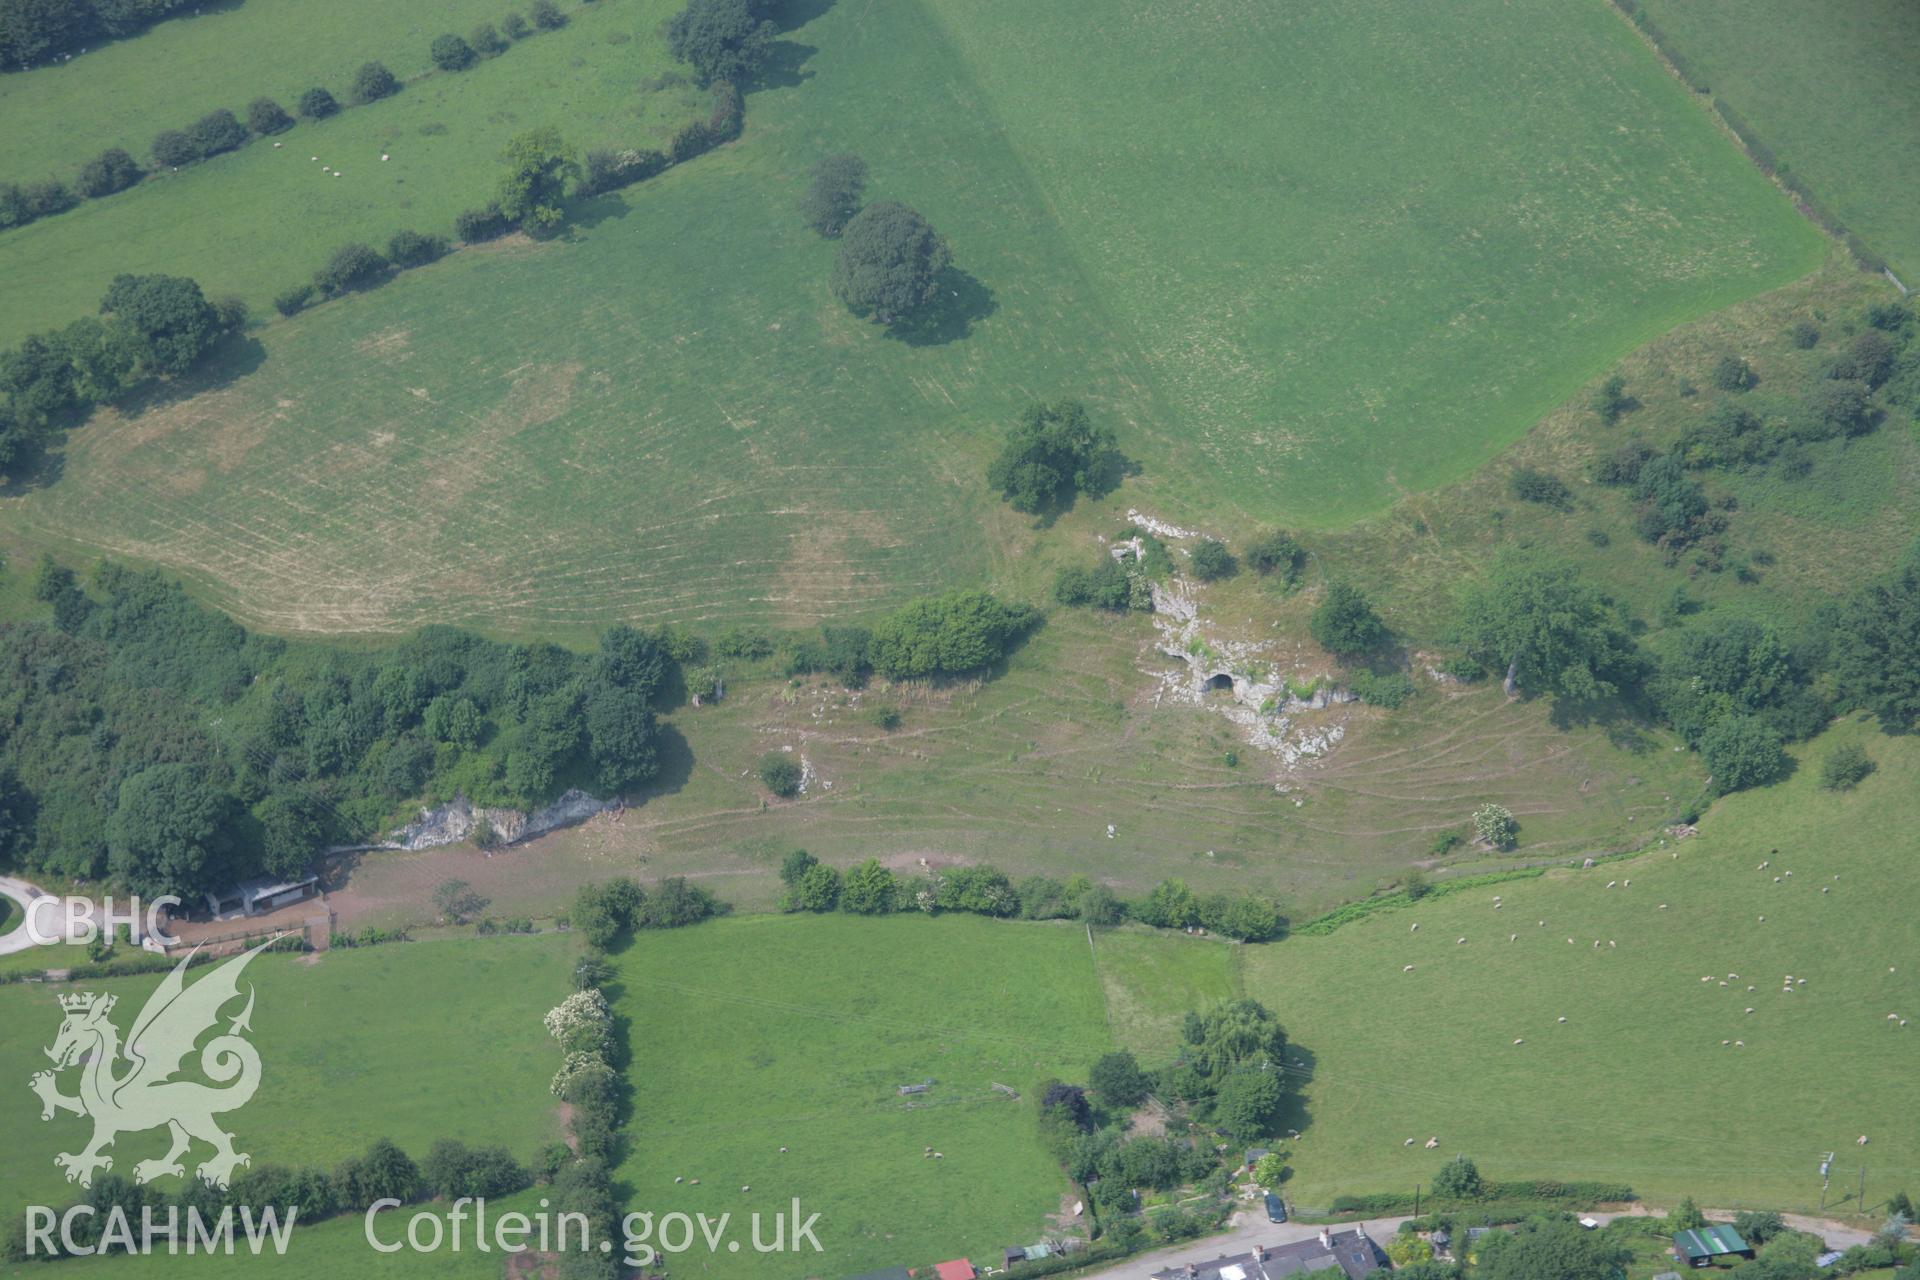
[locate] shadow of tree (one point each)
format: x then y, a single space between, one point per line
785 66
233 360
961 302
798 13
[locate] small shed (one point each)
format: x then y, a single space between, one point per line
958 1269
1704 1245
1254 1154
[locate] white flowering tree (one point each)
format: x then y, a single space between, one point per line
582 1021
1495 826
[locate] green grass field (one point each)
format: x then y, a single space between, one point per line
255 221
753 1034
1636 1085
680 424
1830 89
409 1042
324 1251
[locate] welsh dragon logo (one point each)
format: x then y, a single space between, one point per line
130 1087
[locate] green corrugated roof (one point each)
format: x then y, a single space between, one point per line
1710 1241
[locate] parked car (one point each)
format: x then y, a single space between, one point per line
1276 1208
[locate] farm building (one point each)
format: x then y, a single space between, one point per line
1708 1244
1352 1253
958 1269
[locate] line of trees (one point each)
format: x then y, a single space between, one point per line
543 177
220 131
870 888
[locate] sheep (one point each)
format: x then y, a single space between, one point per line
1407 1143
276 146
315 159
1519 1040
1749 1008
1763 919
1416 928
1725 1043
1432 1143
783 1151
1569 941
1739 1044
1789 875
1612 883
1513 937
1733 977
1459 942
1625 883
383 157
939 1156
1612 943
1893 1017
678 1181
1776 879
1543 924
1563 1017
1903 1022
1799 982
1663 906
1860 1141
745 1188
1825 889
1596 944
1706 977
693 1182
1408 969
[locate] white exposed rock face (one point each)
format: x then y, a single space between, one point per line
454 822
1159 528
1260 703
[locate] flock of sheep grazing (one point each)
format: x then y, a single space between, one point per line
327 169
1790 984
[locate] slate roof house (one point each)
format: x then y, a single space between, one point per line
1333 1254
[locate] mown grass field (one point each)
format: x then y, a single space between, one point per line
409 1042
1026 771
680 424
258 220
749 1035
1830 89
1636 1085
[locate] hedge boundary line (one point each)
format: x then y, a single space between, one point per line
1757 151
56 196
1320 926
